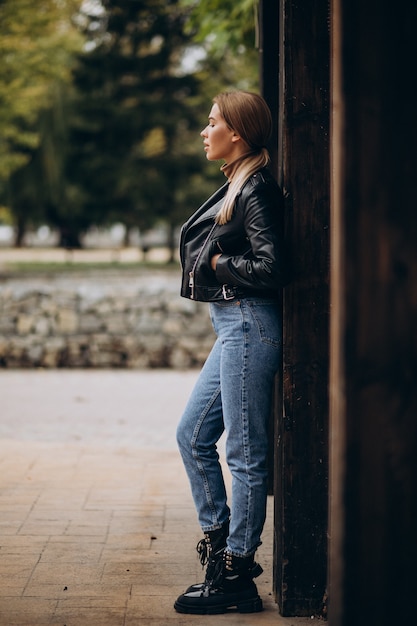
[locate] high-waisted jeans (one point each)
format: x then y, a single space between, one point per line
233 394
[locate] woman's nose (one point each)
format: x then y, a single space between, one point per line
204 132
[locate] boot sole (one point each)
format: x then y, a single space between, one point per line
248 606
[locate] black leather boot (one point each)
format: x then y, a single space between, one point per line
210 550
231 588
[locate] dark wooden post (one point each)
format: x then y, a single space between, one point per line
269 87
301 468
268 69
373 539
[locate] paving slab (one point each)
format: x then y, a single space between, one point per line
97 524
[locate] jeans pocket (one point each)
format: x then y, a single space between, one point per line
267 319
223 312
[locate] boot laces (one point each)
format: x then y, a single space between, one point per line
226 569
203 549
219 573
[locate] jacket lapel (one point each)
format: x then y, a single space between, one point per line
209 208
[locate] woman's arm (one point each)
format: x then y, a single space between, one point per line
262 267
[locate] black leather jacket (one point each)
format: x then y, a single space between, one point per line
251 245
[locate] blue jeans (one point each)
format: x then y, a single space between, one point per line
233 394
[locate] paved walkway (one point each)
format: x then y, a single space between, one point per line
97 526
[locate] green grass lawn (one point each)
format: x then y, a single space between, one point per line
50 268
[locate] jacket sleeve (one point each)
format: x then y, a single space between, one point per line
261 266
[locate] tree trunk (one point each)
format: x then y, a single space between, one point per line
20 231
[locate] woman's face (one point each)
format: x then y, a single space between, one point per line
220 142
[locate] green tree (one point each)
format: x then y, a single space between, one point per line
224 23
135 112
37 46
227 31
37 41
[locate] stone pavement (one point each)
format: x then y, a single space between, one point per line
97 526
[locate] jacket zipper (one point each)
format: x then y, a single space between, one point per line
191 283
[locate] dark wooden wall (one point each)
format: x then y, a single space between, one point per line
295 73
373 540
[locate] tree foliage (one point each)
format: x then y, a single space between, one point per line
37 40
228 32
101 103
224 23
133 115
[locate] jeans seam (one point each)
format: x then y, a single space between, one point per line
245 420
196 457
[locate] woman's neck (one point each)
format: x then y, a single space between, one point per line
230 169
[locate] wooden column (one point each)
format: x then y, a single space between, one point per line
373 539
269 69
269 88
301 467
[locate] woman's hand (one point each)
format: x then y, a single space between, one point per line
214 260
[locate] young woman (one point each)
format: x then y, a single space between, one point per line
231 255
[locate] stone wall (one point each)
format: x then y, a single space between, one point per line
101 320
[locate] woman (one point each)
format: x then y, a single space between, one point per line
231 255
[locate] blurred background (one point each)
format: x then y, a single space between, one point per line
101 161
101 104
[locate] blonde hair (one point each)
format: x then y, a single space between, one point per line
249 116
